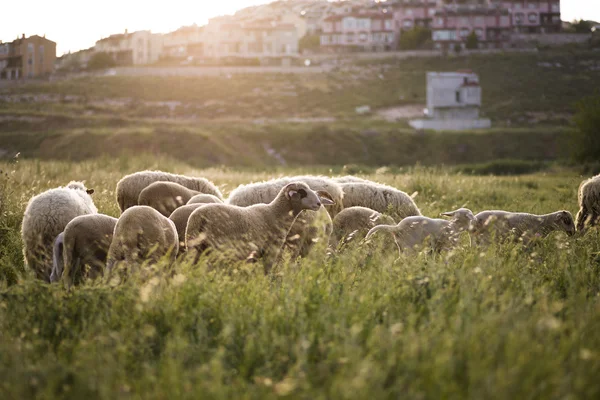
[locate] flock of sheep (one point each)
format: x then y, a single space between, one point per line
168 216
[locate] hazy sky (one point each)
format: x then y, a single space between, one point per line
77 24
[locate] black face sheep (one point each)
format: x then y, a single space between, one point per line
353 224
130 186
204 199
165 197
180 219
47 215
588 197
412 233
248 233
142 234
378 197
521 226
80 251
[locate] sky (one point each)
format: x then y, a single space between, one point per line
77 24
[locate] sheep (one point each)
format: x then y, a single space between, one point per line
354 223
141 234
412 232
47 215
165 197
588 196
523 226
130 186
85 241
247 233
265 192
204 199
381 198
180 219
350 179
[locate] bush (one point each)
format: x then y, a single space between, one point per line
503 167
101 60
414 39
472 41
310 43
586 138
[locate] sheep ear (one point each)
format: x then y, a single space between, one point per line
90 191
325 197
291 193
448 214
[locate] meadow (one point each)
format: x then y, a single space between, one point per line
499 323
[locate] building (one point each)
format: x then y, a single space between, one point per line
24 58
229 37
532 16
76 61
135 48
411 13
453 102
187 41
365 31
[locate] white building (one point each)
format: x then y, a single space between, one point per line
453 102
135 48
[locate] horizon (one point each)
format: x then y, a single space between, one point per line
60 27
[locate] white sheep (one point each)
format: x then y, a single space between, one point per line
413 232
204 199
521 226
350 179
249 233
353 223
80 251
47 215
142 234
588 197
180 218
165 197
378 197
130 186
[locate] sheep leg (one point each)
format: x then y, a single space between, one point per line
581 218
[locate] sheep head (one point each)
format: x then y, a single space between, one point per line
463 218
302 197
563 220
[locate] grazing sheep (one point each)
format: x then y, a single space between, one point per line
265 192
256 231
354 223
47 215
588 197
381 198
130 186
523 226
350 179
165 197
412 232
180 219
84 242
141 234
204 199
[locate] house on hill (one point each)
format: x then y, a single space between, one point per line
25 58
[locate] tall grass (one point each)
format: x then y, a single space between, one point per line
502 322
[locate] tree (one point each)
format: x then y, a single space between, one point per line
309 42
414 38
101 60
586 138
582 26
472 41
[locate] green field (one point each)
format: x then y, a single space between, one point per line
504 322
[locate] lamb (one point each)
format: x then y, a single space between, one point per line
47 215
130 186
165 197
354 223
588 197
381 198
204 199
412 232
523 226
256 231
84 242
265 192
180 218
141 234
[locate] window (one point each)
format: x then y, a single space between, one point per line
464 32
439 21
407 23
532 17
458 96
324 39
388 24
444 35
362 37
556 7
409 11
518 6
463 20
30 47
504 20
478 20
532 5
519 18
431 12
479 33
350 37
349 23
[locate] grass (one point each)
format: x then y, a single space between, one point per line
503 322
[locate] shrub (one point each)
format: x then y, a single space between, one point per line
101 60
472 41
503 167
414 39
586 138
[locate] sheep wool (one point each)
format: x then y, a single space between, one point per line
588 196
165 197
180 218
381 198
46 216
353 224
204 199
130 186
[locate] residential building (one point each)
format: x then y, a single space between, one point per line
23 58
75 61
453 102
532 16
135 48
367 31
411 13
187 41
